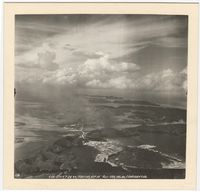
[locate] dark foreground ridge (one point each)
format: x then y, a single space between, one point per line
66 156
69 157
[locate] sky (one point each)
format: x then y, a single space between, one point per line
133 53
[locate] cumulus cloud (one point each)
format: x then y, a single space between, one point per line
184 85
104 64
43 57
119 83
102 72
60 76
46 60
184 76
99 72
166 80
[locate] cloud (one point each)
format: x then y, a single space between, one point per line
121 83
64 76
184 71
105 65
166 80
184 76
118 83
46 60
96 73
102 72
171 42
184 85
43 57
